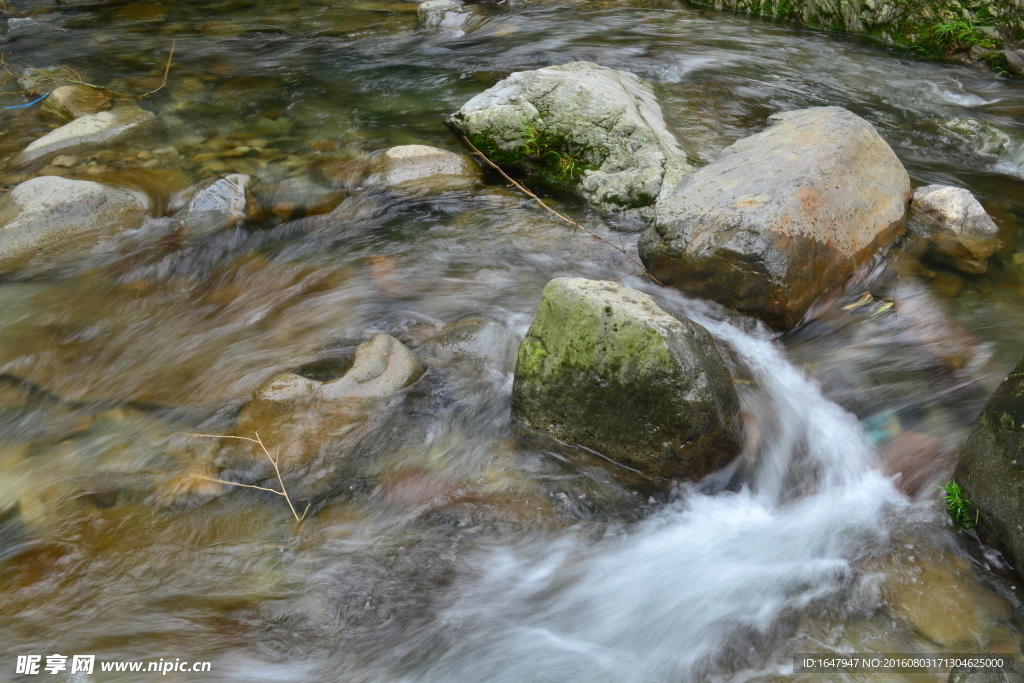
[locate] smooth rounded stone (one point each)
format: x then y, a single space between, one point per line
962 235
219 205
70 102
16 23
592 129
604 367
782 216
991 469
479 339
298 414
50 214
419 167
103 128
441 14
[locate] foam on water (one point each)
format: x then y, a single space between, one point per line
708 579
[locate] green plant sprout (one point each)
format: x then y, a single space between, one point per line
963 511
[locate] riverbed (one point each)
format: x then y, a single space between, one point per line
451 545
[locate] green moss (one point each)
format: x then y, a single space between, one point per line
553 158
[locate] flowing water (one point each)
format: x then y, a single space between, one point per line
450 545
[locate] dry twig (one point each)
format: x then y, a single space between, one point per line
283 492
576 226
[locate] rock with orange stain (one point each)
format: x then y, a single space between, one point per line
782 217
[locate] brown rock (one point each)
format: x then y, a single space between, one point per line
782 217
70 102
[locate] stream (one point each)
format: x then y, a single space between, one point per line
450 545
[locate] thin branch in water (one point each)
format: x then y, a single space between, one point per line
564 218
167 70
277 470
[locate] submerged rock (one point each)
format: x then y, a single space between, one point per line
441 14
300 416
603 366
991 469
71 102
782 216
51 213
419 167
592 129
937 593
480 339
962 235
221 204
103 128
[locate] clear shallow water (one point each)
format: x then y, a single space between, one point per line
450 546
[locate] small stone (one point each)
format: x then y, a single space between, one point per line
104 128
64 161
441 14
144 155
219 205
20 23
412 167
1015 61
962 235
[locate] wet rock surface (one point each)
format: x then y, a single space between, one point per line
991 469
605 367
419 167
310 425
220 204
94 130
49 215
595 130
782 216
962 235
70 102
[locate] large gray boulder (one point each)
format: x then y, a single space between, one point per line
960 233
605 367
991 469
94 130
782 216
51 215
586 127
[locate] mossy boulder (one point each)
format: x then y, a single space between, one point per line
991 469
782 216
603 366
588 128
